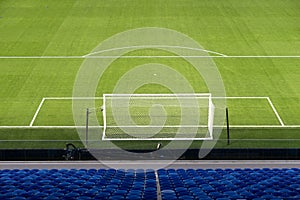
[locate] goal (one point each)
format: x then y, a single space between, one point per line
158 116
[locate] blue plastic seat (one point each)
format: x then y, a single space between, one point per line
168 193
72 195
41 195
216 195
116 197
186 197
141 184
52 197
134 197
84 198
102 195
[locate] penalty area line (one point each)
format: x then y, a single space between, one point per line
73 127
275 111
141 47
46 127
90 98
37 112
145 56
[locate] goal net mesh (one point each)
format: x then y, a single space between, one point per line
157 117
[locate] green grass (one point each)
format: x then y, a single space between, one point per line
75 28
240 138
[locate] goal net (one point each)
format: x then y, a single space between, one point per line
157 117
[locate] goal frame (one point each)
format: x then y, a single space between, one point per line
201 95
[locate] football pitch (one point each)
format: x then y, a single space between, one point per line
254 44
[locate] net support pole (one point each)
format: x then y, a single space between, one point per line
87 127
227 125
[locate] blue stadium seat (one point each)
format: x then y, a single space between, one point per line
141 184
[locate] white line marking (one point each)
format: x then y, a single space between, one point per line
73 127
82 98
141 56
154 139
104 139
41 127
275 111
188 56
36 112
38 140
159 95
156 126
265 56
72 98
240 97
262 126
40 57
240 139
154 46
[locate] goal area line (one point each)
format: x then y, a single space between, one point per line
74 127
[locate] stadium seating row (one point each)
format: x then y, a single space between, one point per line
184 184
230 184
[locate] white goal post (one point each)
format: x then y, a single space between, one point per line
158 116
